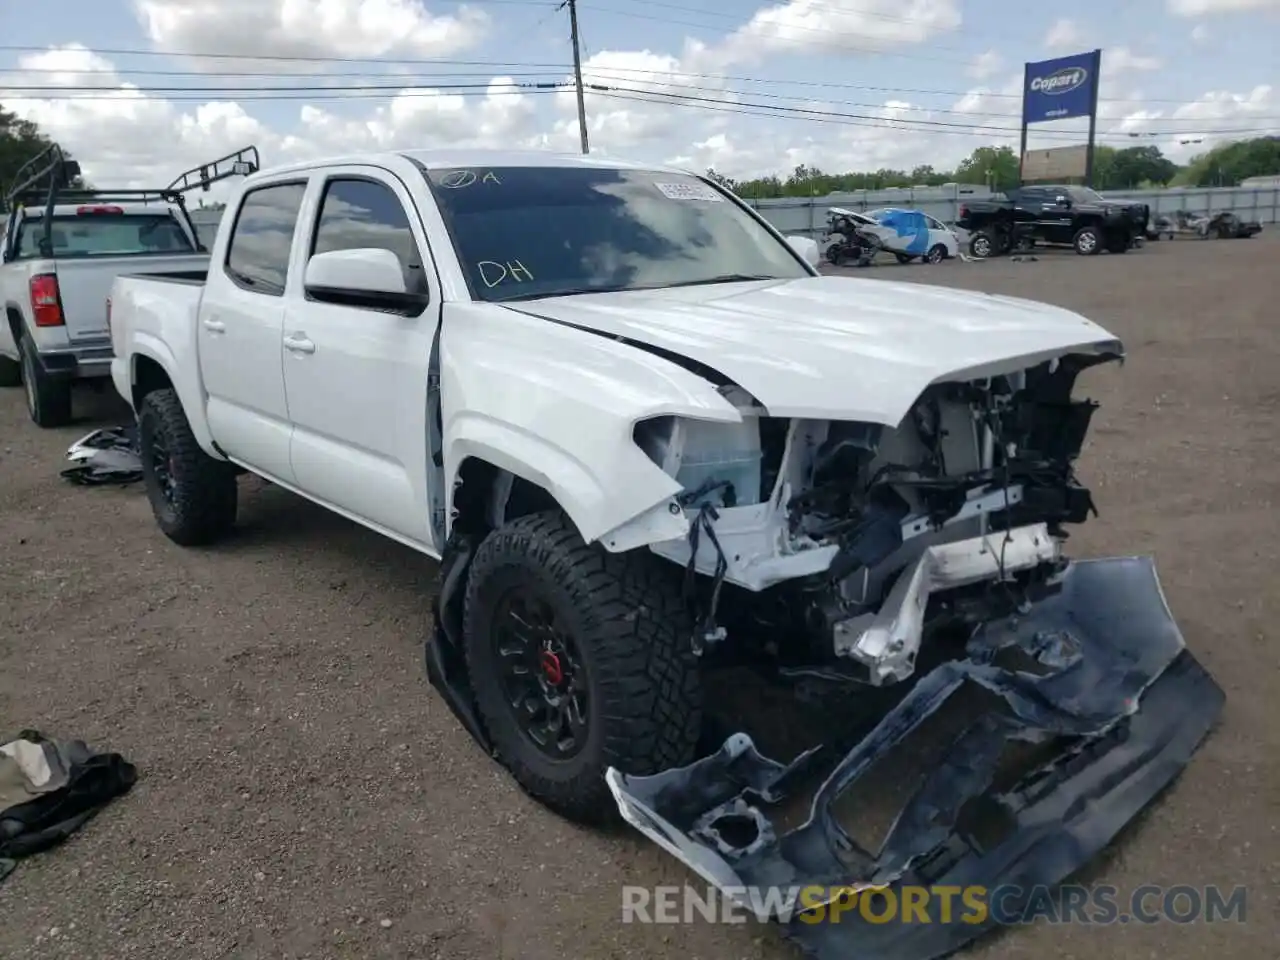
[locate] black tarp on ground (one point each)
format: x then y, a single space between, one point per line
49 789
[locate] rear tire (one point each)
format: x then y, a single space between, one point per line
48 398
628 673
981 245
193 496
904 258
10 373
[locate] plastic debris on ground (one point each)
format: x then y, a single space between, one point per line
106 456
49 789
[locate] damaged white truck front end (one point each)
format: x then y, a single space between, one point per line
892 478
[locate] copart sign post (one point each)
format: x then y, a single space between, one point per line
1059 90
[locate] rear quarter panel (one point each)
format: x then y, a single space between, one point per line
155 320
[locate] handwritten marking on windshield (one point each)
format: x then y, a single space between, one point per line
457 179
689 191
494 273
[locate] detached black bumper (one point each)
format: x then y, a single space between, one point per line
79 362
1105 682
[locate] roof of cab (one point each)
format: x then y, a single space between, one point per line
445 158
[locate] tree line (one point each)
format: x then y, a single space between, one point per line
1114 168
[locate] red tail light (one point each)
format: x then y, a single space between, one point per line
964 211
81 211
46 307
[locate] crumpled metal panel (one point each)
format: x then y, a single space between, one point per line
1103 663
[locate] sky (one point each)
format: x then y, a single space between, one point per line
139 90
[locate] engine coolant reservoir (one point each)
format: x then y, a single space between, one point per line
713 452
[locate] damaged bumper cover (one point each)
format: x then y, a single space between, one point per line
1104 681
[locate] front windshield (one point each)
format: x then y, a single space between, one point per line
526 232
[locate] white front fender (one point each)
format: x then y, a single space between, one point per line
557 407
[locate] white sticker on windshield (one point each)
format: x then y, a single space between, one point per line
688 191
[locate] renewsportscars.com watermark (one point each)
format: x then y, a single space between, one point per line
1005 905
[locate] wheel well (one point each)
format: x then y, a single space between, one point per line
486 497
148 376
15 323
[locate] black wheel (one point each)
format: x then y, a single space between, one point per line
193 496
1119 245
834 254
10 372
981 245
904 257
937 253
579 660
1087 241
48 398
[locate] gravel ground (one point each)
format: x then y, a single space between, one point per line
304 793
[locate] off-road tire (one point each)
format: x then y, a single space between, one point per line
1120 245
937 253
203 506
10 372
48 398
1088 241
632 632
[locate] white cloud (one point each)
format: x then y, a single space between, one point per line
1199 33
985 65
1123 60
835 27
1197 8
308 28
1064 33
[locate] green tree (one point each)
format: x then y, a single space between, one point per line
20 140
1226 165
1131 168
727 182
996 166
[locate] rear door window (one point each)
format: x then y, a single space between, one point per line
103 235
258 254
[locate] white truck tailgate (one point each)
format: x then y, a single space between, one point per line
84 286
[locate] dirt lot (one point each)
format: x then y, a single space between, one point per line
304 793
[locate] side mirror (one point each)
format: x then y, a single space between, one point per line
807 248
360 277
1063 200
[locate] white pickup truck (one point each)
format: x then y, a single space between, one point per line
60 251
644 435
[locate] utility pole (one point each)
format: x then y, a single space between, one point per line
577 72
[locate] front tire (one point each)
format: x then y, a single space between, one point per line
937 253
193 496
579 660
1087 241
48 398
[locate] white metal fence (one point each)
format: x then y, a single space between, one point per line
808 215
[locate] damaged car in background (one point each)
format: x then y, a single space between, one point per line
649 442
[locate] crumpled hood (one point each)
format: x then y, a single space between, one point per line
835 347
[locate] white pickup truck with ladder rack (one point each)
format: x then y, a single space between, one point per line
60 251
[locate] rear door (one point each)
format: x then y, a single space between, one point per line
357 377
240 327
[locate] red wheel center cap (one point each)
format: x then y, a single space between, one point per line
551 668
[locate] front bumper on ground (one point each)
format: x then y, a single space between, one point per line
1104 680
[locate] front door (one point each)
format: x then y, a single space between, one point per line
356 378
240 326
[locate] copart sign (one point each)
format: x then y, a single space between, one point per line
1062 88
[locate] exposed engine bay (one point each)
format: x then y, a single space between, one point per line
837 534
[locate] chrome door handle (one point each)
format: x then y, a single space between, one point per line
215 326
299 344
